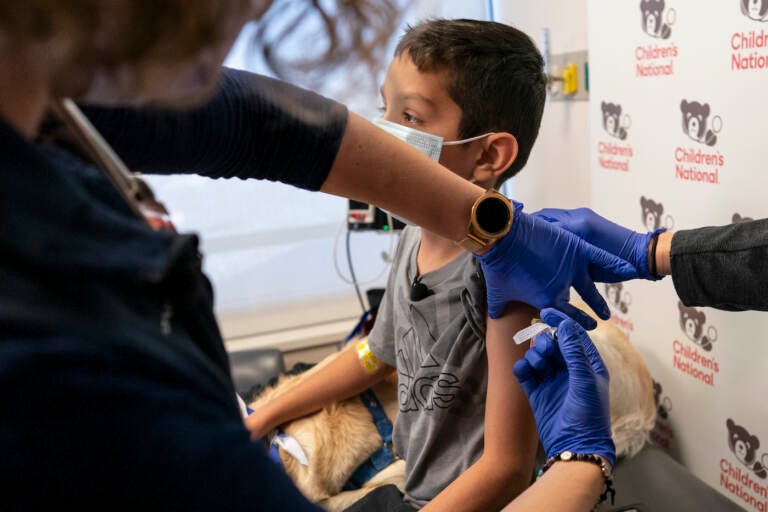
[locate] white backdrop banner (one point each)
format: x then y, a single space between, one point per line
677 142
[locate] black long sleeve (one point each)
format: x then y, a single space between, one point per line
255 127
722 267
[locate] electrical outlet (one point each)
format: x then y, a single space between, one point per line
569 76
571 79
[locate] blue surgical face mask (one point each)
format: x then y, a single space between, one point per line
430 145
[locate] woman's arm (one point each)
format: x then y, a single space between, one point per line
722 267
506 466
258 127
566 487
254 127
363 169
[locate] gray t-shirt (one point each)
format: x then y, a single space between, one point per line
438 346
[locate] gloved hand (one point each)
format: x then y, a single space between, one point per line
566 383
537 263
600 232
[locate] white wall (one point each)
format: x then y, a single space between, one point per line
706 387
711 364
558 173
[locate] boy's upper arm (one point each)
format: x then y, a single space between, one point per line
510 430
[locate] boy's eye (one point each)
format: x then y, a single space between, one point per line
408 118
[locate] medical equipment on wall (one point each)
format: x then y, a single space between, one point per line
363 217
367 217
567 73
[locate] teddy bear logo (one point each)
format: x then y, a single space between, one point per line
696 123
653 215
692 322
663 405
655 22
617 299
755 9
744 446
736 219
614 123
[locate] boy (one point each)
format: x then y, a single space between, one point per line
464 426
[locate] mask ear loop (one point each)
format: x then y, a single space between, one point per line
465 141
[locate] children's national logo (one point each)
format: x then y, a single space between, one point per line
619 301
696 122
613 154
737 218
663 405
692 321
749 48
656 59
744 446
745 480
617 297
699 163
695 361
653 215
662 433
614 123
755 9
656 22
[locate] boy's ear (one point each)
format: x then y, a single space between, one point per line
499 152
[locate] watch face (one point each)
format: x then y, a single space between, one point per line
492 215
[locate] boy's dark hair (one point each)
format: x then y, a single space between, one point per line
495 75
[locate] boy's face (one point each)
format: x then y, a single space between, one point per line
420 100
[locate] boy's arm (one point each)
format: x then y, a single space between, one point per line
345 376
506 466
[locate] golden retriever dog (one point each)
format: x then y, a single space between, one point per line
337 439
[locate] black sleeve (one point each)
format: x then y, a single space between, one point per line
722 267
255 127
131 425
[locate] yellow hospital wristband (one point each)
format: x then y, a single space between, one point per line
370 363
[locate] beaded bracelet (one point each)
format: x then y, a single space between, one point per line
567 456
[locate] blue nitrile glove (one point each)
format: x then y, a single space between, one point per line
537 263
600 232
566 383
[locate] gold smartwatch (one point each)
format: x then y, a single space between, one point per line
490 219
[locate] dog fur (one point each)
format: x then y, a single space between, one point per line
340 437
633 409
336 440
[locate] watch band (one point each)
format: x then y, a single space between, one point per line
471 243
